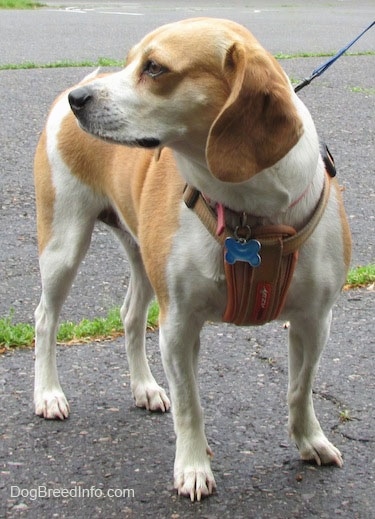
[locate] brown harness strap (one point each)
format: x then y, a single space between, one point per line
256 295
295 242
195 201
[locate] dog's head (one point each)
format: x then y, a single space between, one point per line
204 87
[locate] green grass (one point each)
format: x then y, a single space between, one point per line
21 334
322 54
361 276
29 65
19 4
110 62
87 329
345 416
15 334
100 328
362 90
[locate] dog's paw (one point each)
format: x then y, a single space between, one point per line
320 450
151 396
195 483
195 480
52 405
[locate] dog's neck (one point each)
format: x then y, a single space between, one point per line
276 196
285 193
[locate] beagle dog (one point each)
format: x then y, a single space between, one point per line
200 103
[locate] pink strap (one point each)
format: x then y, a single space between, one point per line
300 197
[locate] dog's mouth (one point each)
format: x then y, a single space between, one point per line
147 142
111 137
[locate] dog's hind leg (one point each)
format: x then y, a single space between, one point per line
307 339
147 393
59 261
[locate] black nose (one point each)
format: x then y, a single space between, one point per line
79 98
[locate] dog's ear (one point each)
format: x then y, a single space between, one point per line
258 124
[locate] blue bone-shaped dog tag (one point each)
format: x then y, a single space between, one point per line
242 251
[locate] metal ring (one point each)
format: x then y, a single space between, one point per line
242 239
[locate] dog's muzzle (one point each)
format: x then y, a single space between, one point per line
80 99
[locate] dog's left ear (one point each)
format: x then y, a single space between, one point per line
258 124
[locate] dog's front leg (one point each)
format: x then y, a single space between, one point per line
307 339
58 266
192 471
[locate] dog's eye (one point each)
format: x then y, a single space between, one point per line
154 69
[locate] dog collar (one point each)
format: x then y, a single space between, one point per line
195 201
220 211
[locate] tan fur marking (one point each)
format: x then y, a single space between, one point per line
159 221
109 169
87 157
45 194
146 192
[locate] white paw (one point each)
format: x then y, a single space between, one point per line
52 405
151 396
318 448
195 479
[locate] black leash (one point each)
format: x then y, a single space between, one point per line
322 68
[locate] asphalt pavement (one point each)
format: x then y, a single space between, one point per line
109 445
